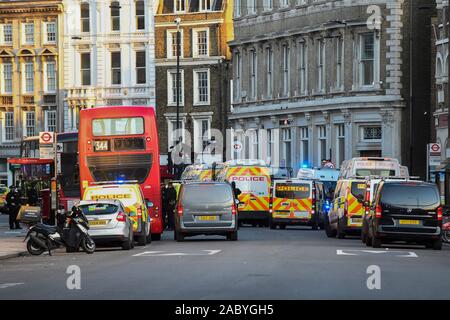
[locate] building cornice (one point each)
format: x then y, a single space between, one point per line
30 8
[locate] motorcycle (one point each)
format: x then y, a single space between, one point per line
73 235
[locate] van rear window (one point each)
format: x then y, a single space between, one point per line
409 195
358 189
207 193
292 190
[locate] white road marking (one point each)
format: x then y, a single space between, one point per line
173 254
402 254
8 285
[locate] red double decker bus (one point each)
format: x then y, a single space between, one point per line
120 144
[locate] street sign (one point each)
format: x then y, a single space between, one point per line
59 147
46 137
237 146
58 163
433 157
46 152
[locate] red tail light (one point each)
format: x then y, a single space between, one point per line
367 199
378 211
121 217
139 212
233 209
439 213
180 209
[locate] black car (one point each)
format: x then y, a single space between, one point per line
407 211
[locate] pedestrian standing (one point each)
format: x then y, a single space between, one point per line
13 204
164 205
171 199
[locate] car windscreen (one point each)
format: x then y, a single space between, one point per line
293 190
358 190
193 195
98 209
409 195
375 172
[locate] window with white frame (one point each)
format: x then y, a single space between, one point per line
205 5
237 77
179 6
252 73
251 6
301 2
287 141
50 120
50 32
140 15
304 145
28 31
201 42
28 77
7 34
269 72
172 87
367 59
9 126
286 64
115 16
173 136
29 124
85 68
302 63
371 133
320 58
205 126
270 144
339 53
237 8
201 87
50 76
340 143
202 134
141 77
116 77
284 3
322 141
172 44
7 78
268 5
85 17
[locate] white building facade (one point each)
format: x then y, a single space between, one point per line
322 79
109 51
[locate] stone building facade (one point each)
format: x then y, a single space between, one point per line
109 49
206 27
31 34
331 80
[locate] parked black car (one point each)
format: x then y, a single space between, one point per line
407 211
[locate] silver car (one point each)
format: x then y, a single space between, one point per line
207 208
108 222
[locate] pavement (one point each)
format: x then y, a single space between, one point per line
11 241
296 263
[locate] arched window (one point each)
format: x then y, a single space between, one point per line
85 17
439 66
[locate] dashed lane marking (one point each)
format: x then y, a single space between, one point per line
173 254
401 254
9 285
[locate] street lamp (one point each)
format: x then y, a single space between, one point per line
177 22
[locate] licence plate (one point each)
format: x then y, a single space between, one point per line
207 218
415 222
301 214
98 222
356 220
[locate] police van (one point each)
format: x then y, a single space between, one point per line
293 203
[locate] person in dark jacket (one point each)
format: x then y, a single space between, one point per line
13 205
32 195
236 190
170 201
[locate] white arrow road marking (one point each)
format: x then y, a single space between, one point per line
402 254
7 285
172 254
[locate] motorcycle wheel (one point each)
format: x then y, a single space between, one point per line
88 245
34 249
